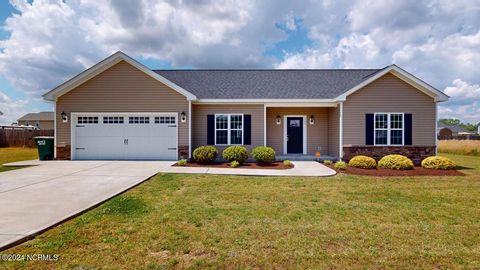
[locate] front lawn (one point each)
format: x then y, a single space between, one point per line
234 222
12 154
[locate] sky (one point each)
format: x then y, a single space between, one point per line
45 42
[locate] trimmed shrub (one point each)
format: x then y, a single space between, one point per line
235 153
341 165
234 164
327 162
287 163
438 162
205 154
182 162
263 154
396 162
362 162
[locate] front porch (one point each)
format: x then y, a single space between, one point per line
301 133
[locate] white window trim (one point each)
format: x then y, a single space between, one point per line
388 129
229 129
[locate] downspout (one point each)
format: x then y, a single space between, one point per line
340 152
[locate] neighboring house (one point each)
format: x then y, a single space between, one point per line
452 130
40 120
120 109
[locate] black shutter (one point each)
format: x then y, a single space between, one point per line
408 129
247 128
369 128
210 129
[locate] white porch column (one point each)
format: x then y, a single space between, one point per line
340 152
264 125
436 128
189 129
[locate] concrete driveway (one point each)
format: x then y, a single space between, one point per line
36 198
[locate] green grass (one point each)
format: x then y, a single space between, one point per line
234 222
11 154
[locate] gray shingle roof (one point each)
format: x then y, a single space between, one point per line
40 116
267 84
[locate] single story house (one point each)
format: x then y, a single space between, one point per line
120 109
452 130
40 120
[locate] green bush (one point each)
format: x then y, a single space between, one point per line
287 163
234 164
182 162
327 162
263 154
363 162
438 162
205 154
235 153
396 162
341 165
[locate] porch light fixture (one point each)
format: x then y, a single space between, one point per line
183 117
311 120
279 120
64 117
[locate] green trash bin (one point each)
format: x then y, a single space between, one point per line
45 145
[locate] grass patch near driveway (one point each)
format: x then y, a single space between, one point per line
237 222
12 154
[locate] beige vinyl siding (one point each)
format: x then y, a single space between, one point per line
199 122
317 134
333 131
121 88
389 94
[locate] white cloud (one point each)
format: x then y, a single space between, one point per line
464 102
311 58
11 110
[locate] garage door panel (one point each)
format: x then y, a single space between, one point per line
141 148
100 130
126 136
100 148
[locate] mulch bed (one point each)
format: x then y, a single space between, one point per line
278 165
417 171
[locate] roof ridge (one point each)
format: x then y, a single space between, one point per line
267 69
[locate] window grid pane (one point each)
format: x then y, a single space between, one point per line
87 120
236 122
381 137
396 121
164 120
221 122
139 120
113 119
222 137
235 137
396 137
381 121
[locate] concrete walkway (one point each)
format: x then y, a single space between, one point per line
36 198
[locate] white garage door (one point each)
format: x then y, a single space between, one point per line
127 136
